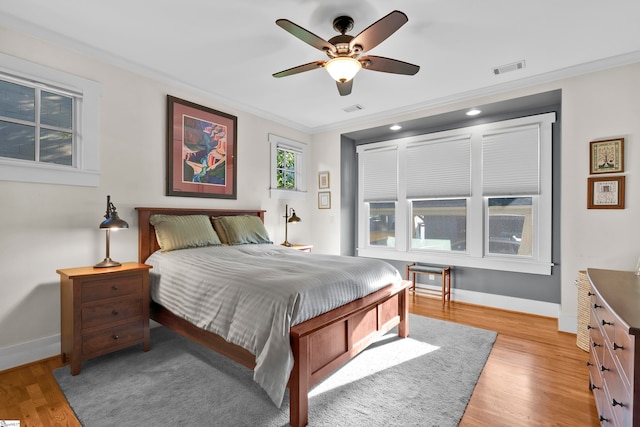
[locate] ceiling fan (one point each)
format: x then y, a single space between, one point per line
344 51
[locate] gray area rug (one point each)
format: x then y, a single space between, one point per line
424 380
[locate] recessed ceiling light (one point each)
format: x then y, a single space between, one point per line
395 127
473 112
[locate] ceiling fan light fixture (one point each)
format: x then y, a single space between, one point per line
343 68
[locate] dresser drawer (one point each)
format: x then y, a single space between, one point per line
111 311
112 338
596 341
604 318
619 400
93 290
622 347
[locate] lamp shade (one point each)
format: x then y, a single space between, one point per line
343 68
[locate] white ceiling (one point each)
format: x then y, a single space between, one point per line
230 49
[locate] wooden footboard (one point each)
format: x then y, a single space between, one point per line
324 343
320 345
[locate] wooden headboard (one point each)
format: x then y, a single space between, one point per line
147 243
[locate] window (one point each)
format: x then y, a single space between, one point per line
477 197
287 166
48 125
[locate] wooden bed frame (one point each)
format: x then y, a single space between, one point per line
320 345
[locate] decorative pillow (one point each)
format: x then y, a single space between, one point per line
217 226
183 231
241 229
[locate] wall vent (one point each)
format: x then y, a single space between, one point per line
509 67
353 108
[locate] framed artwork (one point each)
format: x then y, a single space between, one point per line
606 192
606 156
323 180
324 200
201 151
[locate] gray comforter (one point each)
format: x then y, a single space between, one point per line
252 294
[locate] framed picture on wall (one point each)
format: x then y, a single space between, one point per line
201 151
606 192
323 180
606 156
324 200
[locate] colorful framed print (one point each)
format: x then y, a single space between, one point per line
606 156
324 200
201 151
323 180
606 192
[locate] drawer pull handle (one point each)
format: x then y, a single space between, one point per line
595 344
603 419
115 287
615 402
596 305
602 368
616 346
114 312
590 294
589 327
589 363
115 337
604 323
593 386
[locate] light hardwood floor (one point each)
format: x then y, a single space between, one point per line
535 376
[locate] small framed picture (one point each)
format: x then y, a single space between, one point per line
324 200
606 156
323 180
606 192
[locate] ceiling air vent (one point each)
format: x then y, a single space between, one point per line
355 107
509 67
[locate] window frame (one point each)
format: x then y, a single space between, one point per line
476 255
299 193
85 168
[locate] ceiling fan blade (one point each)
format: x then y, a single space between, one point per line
300 68
305 35
388 65
378 32
345 88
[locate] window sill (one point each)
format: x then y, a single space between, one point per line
461 260
288 194
47 174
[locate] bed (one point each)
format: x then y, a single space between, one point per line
319 345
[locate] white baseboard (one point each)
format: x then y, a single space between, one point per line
522 305
568 324
27 352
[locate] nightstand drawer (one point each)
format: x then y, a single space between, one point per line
111 312
112 338
93 290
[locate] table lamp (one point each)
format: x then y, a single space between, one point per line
112 222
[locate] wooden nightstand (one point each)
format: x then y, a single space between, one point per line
303 248
103 310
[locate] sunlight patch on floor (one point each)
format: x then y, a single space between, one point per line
377 358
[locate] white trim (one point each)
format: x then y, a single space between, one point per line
86 172
521 305
568 324
300 149
30 351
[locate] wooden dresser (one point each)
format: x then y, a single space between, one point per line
103 310
614 354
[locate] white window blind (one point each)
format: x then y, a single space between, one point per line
439 169
511 162
380 174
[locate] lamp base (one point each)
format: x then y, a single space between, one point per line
107 262
285 243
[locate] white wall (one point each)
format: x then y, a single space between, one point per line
595 106
47 227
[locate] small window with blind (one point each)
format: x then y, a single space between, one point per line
478 196
287 168
48 125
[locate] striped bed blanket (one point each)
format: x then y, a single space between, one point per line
251 295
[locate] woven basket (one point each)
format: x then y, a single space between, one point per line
584 310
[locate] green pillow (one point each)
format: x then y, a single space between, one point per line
242 229
183 231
